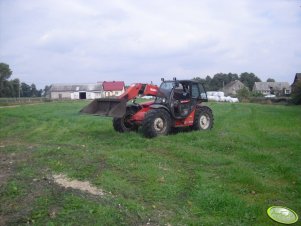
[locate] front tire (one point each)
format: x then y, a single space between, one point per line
124 124
156 122
203 119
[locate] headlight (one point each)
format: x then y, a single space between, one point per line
161 100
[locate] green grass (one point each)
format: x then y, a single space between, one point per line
227 176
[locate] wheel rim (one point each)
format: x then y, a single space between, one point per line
159 125
204 122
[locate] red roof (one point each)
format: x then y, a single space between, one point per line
113 86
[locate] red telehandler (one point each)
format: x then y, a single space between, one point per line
178 103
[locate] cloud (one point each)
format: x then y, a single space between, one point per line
54 41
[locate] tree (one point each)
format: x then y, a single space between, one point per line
46 90
30 90
5 86
25 90
296 94
232 77
201 80
15 84
248 79
256 94
5 72
33 90
270 80
13 88
243 93
219 80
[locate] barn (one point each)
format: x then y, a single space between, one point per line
76 91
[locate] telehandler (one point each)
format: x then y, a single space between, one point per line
177 103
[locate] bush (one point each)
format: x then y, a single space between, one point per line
243 94
256 94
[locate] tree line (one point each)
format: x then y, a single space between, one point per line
15 88
219 80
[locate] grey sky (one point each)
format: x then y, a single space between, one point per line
72 41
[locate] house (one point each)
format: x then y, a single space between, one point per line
76 91
296 80
272 88
114 88
232 88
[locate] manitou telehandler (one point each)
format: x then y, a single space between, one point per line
177 103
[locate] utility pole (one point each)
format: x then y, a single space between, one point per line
19 88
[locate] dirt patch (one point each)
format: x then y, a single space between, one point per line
85 186
2 220
5 168
8 164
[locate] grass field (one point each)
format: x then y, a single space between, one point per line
228 176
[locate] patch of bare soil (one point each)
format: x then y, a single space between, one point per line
2 221
8 162
85 186
5 168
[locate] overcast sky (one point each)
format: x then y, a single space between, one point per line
85 41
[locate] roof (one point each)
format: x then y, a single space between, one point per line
75 87
267 85
297 77
113 86
232 83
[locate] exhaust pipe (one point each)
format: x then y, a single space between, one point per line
106 107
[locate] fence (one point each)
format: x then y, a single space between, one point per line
276 100
22 100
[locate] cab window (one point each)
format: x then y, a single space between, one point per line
203 94
195 91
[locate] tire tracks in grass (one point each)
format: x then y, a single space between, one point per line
20 105
200 175
170 166
221 117
193 170
260 159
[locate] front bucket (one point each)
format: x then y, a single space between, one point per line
106 107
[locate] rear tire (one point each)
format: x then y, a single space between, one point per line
156 122
124 124
203 119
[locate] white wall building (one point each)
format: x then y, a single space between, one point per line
76 91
